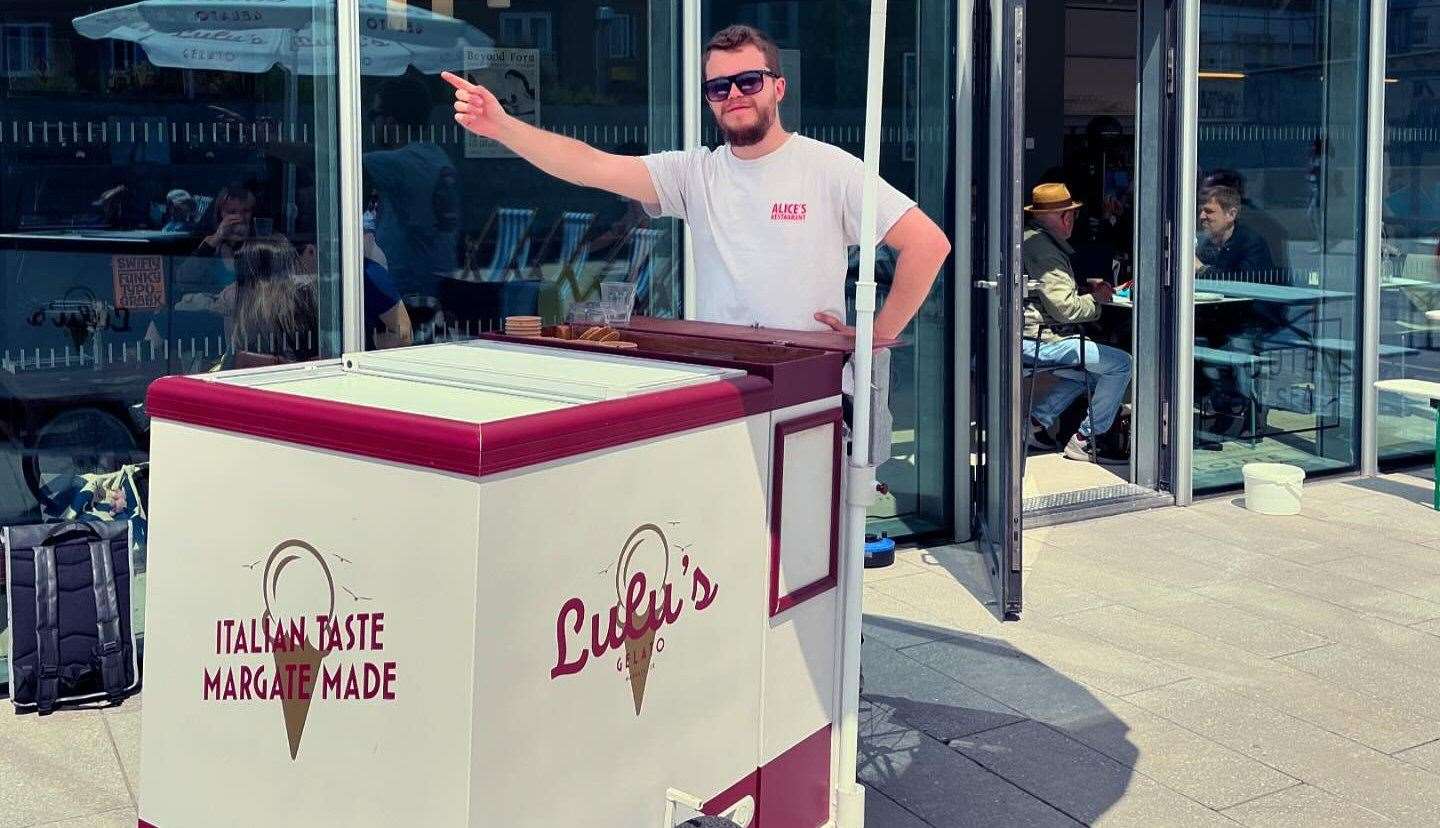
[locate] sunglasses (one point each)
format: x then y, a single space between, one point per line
718 89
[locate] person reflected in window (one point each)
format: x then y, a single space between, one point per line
387 322
1054 304
1226 247
1276 237
182 214
275 316
632 214
211 267
418 213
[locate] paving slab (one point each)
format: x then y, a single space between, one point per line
897 623
1352 771
1387 572
59 767
1086 785
1400 684
928 700
1385 727
124 725
1329 620
1228 624
123 818
882 812
1425 756
940 785
1304 806
1042 654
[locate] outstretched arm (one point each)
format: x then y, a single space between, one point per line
477 110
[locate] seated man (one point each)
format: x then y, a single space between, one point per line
1056 302
1226 247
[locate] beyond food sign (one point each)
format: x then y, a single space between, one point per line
513 77
314 652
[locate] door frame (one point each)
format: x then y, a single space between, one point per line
996 283
962 277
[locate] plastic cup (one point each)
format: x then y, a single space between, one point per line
618 301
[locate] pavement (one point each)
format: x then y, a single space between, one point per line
1176 667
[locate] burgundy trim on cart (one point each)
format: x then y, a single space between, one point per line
797 380
780 603
824 340
412 439
552 435
450 445
790 791
749 786
795 786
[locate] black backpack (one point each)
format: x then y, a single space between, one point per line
68 590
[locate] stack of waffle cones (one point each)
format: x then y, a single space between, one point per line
526 327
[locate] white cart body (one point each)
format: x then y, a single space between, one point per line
464 530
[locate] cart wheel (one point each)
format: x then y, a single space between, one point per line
709 822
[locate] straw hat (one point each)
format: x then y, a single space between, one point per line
1051 198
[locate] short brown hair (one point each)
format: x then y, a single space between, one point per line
1227 197
731 38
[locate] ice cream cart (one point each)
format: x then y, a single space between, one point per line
498 583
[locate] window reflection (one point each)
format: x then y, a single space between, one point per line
164 208
1281 126
1410 248
470 234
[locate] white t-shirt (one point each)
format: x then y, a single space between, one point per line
771 234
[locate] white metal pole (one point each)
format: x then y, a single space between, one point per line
1187 85
690 74
1374 144
850 796
352 255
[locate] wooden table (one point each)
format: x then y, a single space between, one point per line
1422 390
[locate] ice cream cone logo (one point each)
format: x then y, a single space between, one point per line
297 586
654 556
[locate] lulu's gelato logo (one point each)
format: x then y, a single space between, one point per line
646 601
300 628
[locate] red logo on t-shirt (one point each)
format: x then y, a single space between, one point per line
783 211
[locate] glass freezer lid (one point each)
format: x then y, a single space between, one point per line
479 381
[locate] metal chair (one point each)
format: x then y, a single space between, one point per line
1029 372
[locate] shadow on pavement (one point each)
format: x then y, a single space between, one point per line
961 729
1397 488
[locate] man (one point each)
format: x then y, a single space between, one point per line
418 215
771 213
1256 218
1046 254
1227 247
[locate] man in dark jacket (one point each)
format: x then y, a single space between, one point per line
1055 302
1226 247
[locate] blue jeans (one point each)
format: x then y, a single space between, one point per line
1107 370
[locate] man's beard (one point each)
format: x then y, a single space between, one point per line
751 135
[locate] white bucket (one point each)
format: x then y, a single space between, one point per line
1273 488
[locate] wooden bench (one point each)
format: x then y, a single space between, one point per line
1422 390
1237 361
